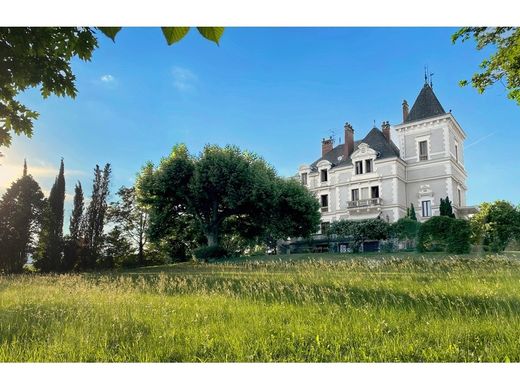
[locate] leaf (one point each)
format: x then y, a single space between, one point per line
211 33
174 34
110 32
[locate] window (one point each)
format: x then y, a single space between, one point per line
304 179
423 150
426 206
368 166
375 192
325 227
324 175
364 193
456 152
359 167
460 196
355 194
324 203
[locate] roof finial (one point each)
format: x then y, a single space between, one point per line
374 123
431 80
425 74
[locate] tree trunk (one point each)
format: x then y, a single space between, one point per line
212 237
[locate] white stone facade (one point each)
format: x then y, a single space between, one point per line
428 166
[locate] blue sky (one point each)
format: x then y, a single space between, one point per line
275 91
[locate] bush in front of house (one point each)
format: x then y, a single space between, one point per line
442 233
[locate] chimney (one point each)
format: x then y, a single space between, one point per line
326 146
348 147
385 126
405 110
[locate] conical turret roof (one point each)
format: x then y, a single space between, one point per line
426 105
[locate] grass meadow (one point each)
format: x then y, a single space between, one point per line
299 308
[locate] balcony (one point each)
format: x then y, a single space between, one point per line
364 203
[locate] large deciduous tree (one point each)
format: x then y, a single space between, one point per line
503 65
131 219
41 57
20 218
495 225
222 190
49 256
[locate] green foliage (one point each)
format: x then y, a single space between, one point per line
174 34
502 65
93 223
443 233
205 253
459 237
410 213
49 256
360 231
40 57
445 208
116 248
37 57
405 229
223 192
495 225
297 308
21 209
131 218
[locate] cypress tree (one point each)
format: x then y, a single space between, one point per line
93 223
73 243
448 208
77 212
412 213
50 252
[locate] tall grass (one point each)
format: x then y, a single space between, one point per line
295 308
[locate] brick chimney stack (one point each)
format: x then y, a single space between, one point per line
406 110
326 146
385 126
348 147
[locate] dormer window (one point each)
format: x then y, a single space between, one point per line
457 152
359 167
368 166
324 175
304 179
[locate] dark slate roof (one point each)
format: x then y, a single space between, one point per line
375 139
426 105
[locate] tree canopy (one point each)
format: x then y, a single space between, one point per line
41 57
21 209
495 225
223 189
503 65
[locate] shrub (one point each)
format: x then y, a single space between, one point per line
205 253
442 233
459 237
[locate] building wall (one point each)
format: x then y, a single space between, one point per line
403 180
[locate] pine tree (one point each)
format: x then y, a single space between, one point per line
20 218
49 257
412 213
94 221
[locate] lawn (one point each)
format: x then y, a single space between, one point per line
299 308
